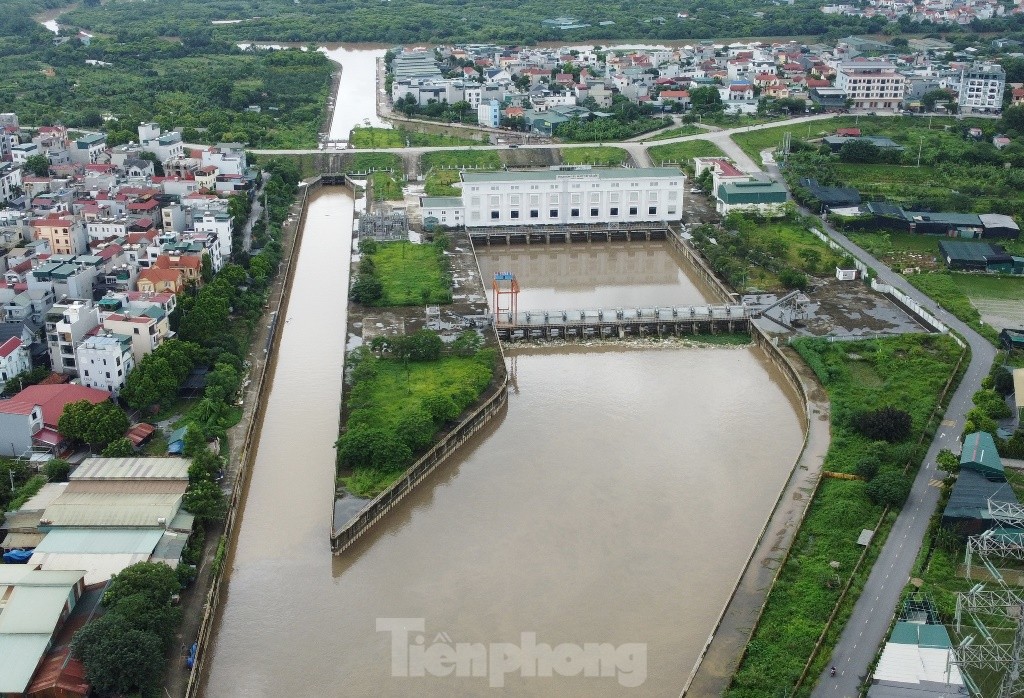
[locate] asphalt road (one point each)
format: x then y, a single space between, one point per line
874 610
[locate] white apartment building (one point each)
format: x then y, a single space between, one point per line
872 85
10 181
165 147
67 324
145 331
228 158
218 222
104 362
573 195
981 88
23 151
105 228
89 149
446 211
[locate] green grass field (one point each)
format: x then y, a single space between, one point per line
683 153
386 187
373 137
442 168
411 274
594 155
364 162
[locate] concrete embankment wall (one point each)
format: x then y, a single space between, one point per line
255 394
350 531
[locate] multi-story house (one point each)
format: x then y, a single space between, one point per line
10 181
147 329
104 361
981 88
67 324
64 235
14 359
871 85
88 149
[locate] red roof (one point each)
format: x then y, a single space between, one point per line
8 347
847 131
812 82
52 398
52 222
727 169
674 94
139 433
740 88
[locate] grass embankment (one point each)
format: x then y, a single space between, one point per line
397 408
442 168
769 255
374 137
685 130
910 371
386 187
684 153
594 155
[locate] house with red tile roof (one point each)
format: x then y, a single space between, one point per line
29 419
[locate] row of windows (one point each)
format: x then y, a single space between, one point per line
595 198
575 212
594 185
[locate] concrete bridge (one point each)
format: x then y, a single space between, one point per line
547 234
620 323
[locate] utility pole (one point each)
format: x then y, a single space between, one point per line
920 145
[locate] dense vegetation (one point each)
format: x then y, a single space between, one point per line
442 168
627 119
596 155
401 273
860 377
502 21
404 390
199 84
766 255
373 137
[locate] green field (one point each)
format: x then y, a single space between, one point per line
683 153
386 187
755 254
373 137
389 392
594 155
365 162
684 130
412 274
858 376
442 168
981 301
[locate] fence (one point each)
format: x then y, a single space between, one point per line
213 596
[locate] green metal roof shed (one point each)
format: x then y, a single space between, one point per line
754 192
980 455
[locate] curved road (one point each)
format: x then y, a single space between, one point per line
874 610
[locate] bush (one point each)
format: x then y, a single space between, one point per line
57 470
885 424
793 279
889 488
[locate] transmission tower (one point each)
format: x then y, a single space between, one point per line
994 613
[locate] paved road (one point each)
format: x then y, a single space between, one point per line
631 146
869 622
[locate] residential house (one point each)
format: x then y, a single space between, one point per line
64 235
28 420
104 361
67 324
871 85
147 329
14 359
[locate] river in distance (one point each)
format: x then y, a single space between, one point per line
614 503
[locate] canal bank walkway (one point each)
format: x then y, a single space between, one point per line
717 664
869 623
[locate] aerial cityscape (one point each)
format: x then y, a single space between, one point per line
449 349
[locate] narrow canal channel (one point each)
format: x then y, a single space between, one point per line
616 502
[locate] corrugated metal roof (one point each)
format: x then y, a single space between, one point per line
95 509
102 540
22 540
132 469
33 609
129 486
99 567
1018 387
979 453
21 655
45 496
170 547
23 574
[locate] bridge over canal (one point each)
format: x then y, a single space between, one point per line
622 322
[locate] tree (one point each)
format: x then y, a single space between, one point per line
119 448
928 99
97 424
705 98
884 424
1002 382
369 447
860 151
119 659
793 279
889 488
37 165
417 429
441 407
205 501
154 580
367 290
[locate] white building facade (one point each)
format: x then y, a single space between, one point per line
981 88
104 362
573 195
874 85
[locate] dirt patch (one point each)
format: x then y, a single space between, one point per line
532 157
1000 313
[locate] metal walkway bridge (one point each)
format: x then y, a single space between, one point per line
622 322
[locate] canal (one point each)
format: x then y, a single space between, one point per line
615 502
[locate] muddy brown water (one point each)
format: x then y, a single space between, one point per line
615 502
